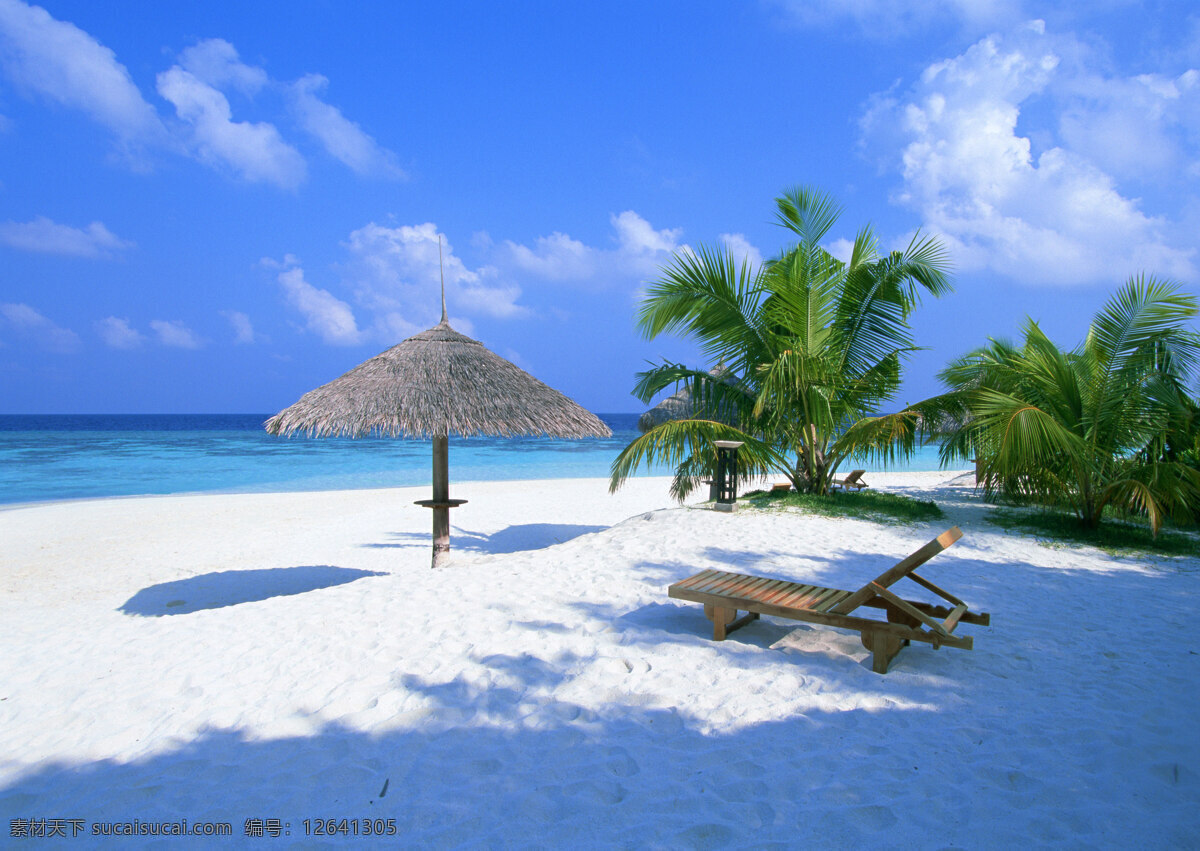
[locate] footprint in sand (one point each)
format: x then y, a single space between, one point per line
625 666
606 792
486 766
619 762
705 836
873 818
743 791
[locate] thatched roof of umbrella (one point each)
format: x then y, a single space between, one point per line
677 406
437 382
432 385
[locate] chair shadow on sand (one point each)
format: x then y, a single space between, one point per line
511 539
231 587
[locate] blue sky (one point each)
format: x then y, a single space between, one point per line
218 206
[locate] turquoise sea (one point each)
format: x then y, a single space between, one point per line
57 457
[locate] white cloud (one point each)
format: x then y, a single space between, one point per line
391 328
175 334
55 59
1144 126
27 322
342 138
288 261
1051 216
641 248
255 151
325 315
46 236
59 61
216 62
556 257
118 334
640 251
841 248
243 330
493 300
888 19
396 270
742 250
393 273
515 357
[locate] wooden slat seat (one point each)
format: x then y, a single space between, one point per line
724 594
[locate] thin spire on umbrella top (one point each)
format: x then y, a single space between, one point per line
442 273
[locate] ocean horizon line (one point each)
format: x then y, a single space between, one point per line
56 457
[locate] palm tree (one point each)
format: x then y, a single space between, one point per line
1183 443
1090 428
806 345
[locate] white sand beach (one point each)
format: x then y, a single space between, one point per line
293 656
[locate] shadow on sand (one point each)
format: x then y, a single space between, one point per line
503 762
231 587
511 539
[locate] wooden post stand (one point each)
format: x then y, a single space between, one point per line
441 502
726 479
441 493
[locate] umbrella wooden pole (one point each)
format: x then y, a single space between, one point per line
441 498
441 502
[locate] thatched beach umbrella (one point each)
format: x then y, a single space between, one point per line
432 385
677 406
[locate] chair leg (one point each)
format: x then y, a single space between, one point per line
883 647
894 615
723 620
720 616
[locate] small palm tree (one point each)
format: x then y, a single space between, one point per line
806 347
1089 428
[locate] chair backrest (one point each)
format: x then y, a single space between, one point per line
854 476
898 571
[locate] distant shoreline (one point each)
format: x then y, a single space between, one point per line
56 458
898 477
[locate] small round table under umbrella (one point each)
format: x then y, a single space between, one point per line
432 385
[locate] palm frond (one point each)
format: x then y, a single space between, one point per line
807 212
1156 490
804 286
883 439
678 442
1129 337
703 293
865 249
928 264
1027 438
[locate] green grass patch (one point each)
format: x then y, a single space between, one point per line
877 506
1115 537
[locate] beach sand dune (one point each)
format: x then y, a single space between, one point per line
293 656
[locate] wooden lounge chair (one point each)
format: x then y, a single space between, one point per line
724 594
854 480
